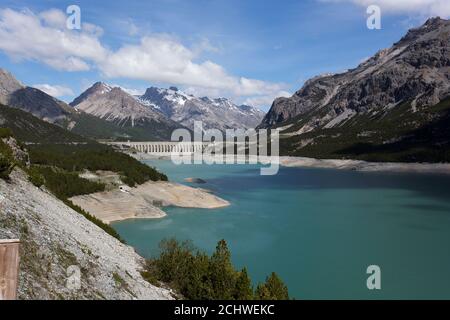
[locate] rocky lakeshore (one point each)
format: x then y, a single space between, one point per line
145 201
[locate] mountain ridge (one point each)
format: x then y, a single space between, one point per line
114 105
386 99
45 107
218 113
321 90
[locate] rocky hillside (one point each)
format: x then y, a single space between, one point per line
8 85
116 106
34 101
394 103
54 238
218 113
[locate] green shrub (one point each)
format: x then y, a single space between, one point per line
106 227
67 184
243 288
35 177
6 151
197 276
222 274
5 133
272 289
6 167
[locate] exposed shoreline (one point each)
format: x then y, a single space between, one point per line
359 165
145 201
356 165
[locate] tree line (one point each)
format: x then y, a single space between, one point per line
197 276
79 157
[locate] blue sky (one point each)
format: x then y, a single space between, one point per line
250 51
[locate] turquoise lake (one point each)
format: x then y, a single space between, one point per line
318 229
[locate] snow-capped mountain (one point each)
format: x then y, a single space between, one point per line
218 113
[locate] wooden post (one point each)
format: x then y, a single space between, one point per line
9 269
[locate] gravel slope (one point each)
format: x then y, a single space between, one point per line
54 237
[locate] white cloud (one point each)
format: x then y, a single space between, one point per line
204 45
53 18
44 38
158 58
365 59
132 91
421 7
133 29
267 100
161 58
55 91
203 92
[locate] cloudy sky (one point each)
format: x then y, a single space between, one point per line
250 51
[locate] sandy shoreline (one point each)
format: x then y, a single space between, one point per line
365 166
356 165
145 201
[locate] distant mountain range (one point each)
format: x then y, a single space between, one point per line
218 113
110 113
47 108
394 106
119 108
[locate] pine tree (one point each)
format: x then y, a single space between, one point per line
272 289
198 285
222 274
243 290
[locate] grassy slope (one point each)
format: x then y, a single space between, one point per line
28 128
95 128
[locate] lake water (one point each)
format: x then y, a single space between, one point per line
318 229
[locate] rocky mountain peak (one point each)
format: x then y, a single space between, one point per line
434 22
433 28
101 86
115 105
97 89
8 85
218 113
14 94
151 91
415 69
